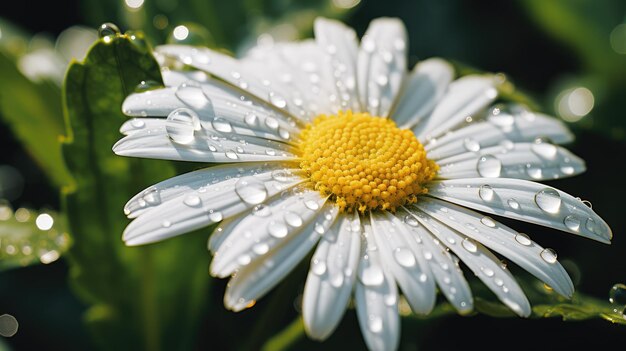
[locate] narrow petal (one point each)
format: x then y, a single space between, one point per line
398 256
504 125
376 298
339 44
199 208
486 266
200 181
381 65
179 141
526 201
540 160
251 238
303 68
216 106
506 241
255 280
422 90
466 96
331 277
238 75
444 266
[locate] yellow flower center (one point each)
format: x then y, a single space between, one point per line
364 162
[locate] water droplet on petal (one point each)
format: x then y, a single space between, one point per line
487 221
590 224
192 201
544 148
523 239
513 204
166 224
534 171
271 123
181 124
471 144
191 94
318 267
470 245
548 200
221 125
251 119
487 271
277 100
486 192
372 276
278 229
260 248
312 205
548 255
404 257
251 190
231 155
216 216
151 197
489 166
261 210
293 219
410 220
244 259
375 324
572 222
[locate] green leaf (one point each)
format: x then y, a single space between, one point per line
33 112
28 237
142 297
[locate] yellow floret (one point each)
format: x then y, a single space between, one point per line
364 162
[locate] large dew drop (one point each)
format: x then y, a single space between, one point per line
548 200
404 257
489 166
548 255
372 276
485 192
251 190
181 125
192 95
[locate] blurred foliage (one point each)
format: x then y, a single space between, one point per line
586 26
24 104
28 237
139 298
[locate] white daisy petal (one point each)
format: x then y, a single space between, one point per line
180 142
215 107
376 298
444 266
381 65
398 255
465 97
302 67
422 90
261 232
237 74
540 160
506 241
253 281
481 261
339 42
200 181
526 201
173 78
201 207
504 125
331 277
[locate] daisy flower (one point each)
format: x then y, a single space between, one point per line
332 147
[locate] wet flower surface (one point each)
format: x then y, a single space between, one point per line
331 146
